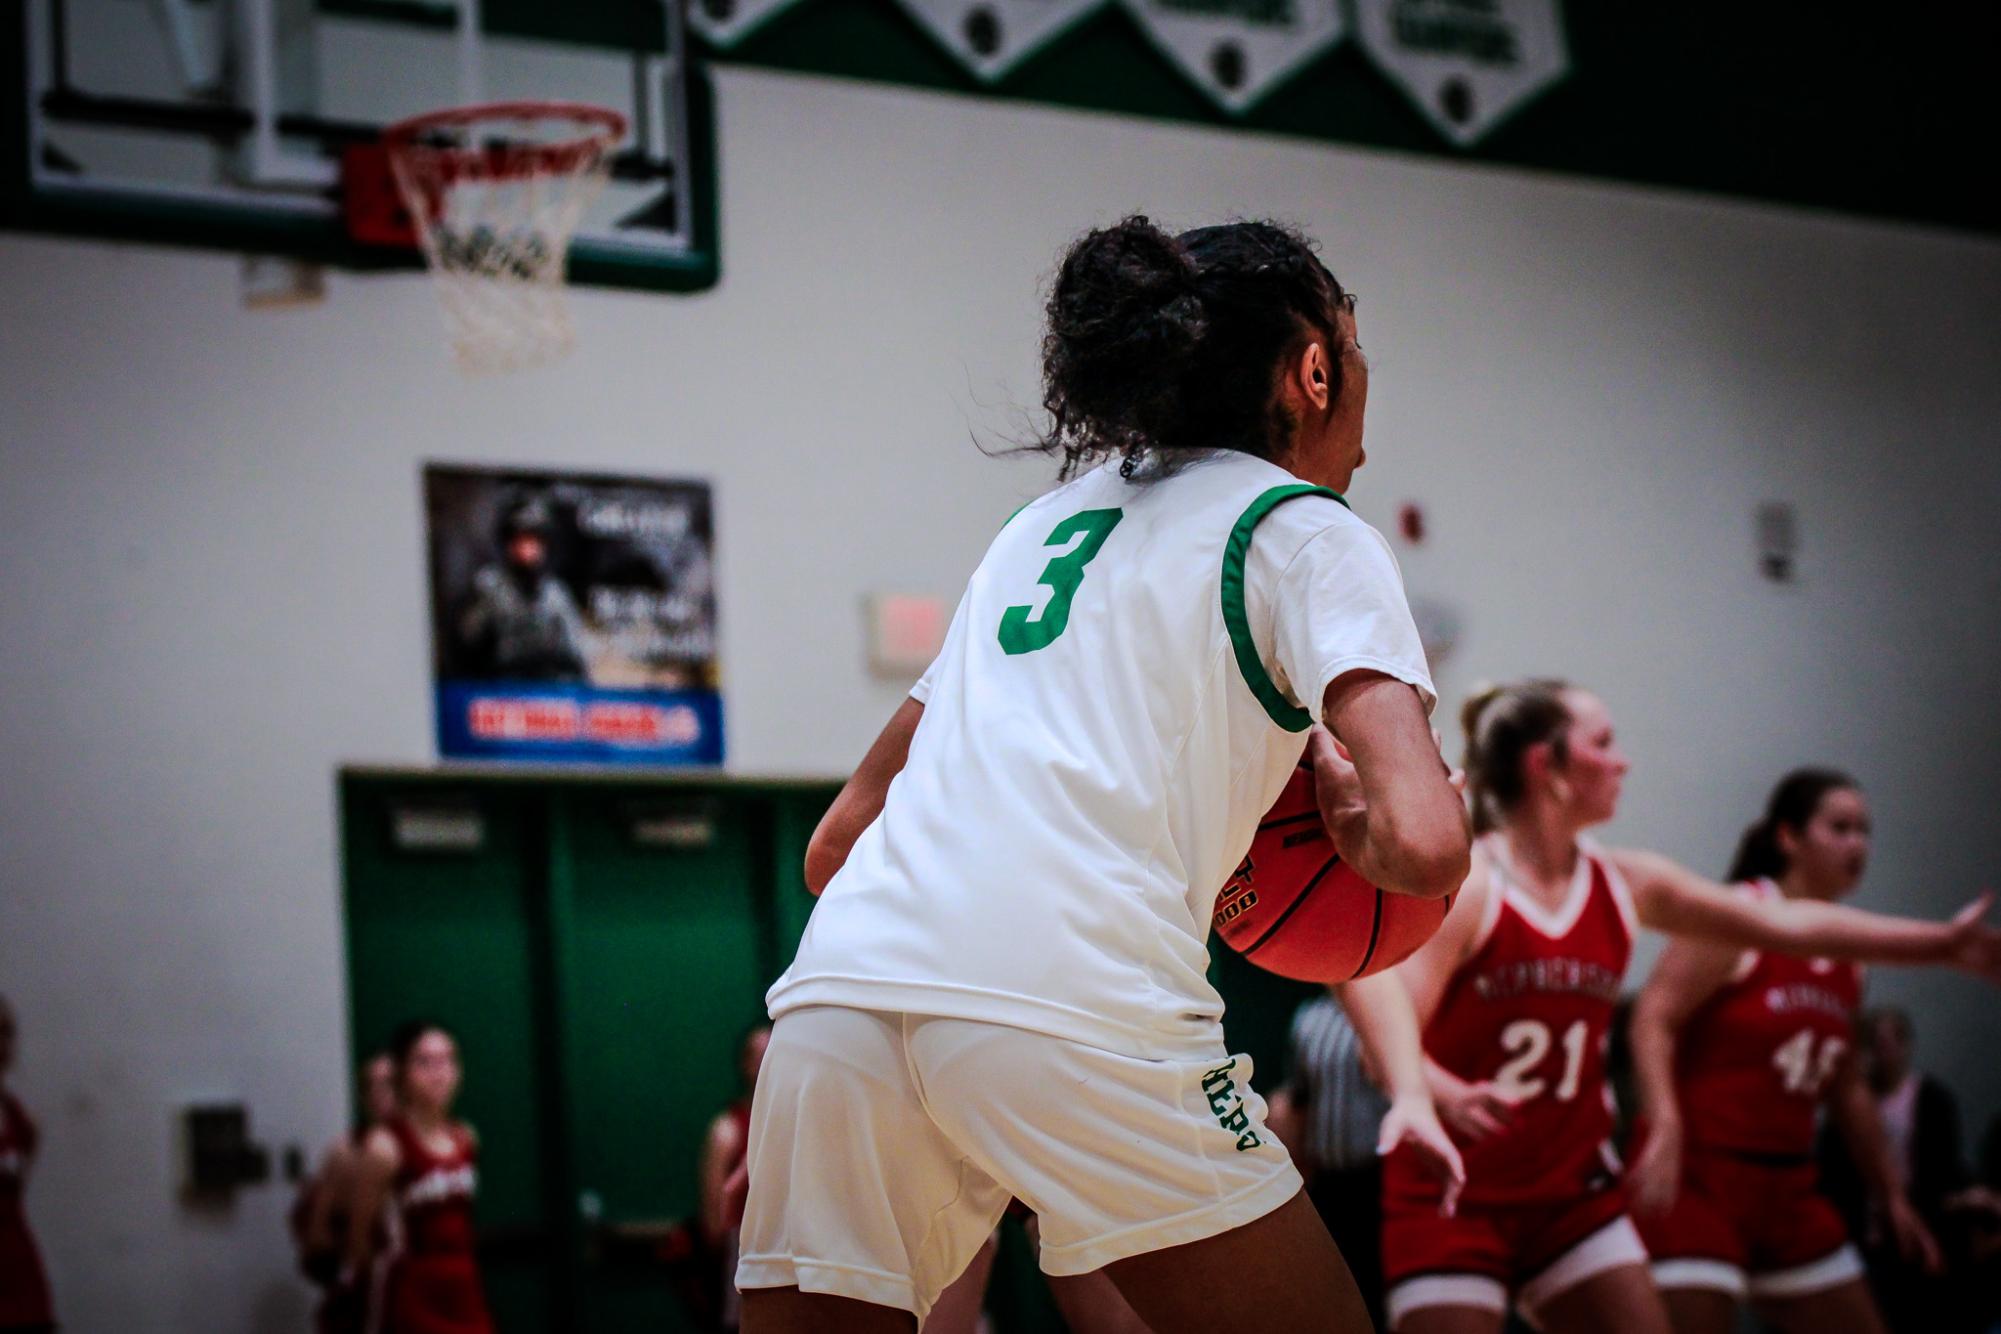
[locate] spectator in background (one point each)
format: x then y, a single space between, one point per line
1920 1115
420 1164
1976 1211
25 1307
1330 1114
1921 1122
319 1215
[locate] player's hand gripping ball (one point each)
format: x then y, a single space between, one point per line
1296 909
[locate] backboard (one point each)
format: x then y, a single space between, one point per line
223 123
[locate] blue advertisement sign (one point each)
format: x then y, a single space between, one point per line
573 618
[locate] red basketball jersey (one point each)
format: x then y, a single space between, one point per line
432 1280
433 1192
1531 1011
1754 1059
24 1288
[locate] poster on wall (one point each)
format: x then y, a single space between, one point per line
573 618
1236 51
1466 64
991 37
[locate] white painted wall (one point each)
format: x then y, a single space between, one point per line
214 590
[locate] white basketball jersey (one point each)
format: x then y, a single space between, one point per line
1113 710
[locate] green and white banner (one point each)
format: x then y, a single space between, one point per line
726 22
1466 64
991 37
1236 51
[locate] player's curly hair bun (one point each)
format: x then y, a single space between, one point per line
1163 344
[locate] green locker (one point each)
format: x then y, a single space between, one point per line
662 908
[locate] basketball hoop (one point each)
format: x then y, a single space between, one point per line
495 193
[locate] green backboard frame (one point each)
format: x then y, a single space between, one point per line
40 194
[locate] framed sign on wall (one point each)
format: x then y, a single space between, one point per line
573 618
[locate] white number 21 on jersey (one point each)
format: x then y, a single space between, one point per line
1527 1041
1805 1071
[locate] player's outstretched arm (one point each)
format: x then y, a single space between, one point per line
1389 802
1384 1020
1689 973
861 797
1671 898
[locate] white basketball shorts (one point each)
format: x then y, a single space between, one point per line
884 1147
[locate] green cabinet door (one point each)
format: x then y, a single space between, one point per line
660 909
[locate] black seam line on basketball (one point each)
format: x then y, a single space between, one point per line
1292 907
1375 932
1285 820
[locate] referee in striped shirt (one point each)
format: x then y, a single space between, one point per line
1335 1115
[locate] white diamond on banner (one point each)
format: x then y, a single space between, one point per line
1236 51
1468 64
726 22
991 37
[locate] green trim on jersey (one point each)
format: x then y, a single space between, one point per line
1281 710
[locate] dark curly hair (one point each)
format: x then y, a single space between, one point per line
1159 345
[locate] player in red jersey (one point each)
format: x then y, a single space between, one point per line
422 1163
24 1287
1514 997
1734 1051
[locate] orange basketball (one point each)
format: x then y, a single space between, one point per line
1296 909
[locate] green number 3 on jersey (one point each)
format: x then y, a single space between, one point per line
1021 634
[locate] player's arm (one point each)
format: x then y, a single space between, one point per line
861 797
1474 1109
1671 898
1428 971
1689 973
1381 1010
1390 1011
1389 802
724 1144
329 1189
374 1172
1852 1108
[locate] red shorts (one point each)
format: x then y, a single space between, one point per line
1750 1227
435 1294
1487 1254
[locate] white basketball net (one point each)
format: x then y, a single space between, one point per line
496 193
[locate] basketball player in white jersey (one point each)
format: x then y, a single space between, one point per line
1002 990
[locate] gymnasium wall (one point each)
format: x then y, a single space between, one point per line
214 591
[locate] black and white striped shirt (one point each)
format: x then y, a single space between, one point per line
1341 1110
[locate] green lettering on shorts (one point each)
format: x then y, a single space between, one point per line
1227 1107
